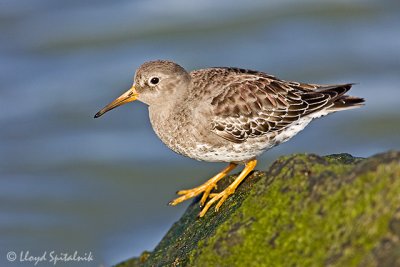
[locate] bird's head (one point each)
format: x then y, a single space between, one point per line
155 83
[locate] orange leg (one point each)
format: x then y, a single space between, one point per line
222 196
206 187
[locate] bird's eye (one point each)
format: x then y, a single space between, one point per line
154 80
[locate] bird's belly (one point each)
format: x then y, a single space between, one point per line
247 150
231 152
225 154
196 147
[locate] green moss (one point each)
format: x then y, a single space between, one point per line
305 211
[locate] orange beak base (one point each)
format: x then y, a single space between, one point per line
128 96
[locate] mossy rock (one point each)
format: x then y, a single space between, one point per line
306 210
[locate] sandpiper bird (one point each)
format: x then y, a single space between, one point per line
227 115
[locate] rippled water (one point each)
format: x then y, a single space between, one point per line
69 182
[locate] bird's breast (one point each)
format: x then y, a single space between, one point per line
174 128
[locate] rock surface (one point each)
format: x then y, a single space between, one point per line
306 210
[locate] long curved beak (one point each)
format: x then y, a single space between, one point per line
128 96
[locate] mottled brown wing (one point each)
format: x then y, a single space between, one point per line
255 107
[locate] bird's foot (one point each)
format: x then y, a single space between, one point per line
222 196
189 193
206 188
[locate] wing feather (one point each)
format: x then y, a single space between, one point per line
261 104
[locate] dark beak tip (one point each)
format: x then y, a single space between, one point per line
98 114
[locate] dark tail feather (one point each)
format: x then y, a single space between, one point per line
339 99
347 102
